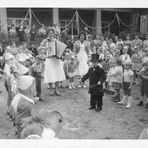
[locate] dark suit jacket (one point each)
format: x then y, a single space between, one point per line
95 74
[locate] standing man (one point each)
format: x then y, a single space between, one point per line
96 76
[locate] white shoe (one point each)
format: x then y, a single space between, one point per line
122 102
79 86
70 87
73 86
84 86
129 101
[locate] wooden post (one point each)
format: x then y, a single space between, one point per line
77 21
55 15
30 17
98 21
3 19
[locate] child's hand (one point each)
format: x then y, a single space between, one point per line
99 83
130 87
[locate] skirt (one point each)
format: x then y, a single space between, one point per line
83 67
54 70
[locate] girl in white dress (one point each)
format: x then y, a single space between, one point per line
82 52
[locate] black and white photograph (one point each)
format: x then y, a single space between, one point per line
76 73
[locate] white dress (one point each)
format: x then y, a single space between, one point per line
54 70
83 67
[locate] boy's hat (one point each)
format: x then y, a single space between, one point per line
24 82
94 58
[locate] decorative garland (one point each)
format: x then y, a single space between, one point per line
46 27
130 25
116 16
97 27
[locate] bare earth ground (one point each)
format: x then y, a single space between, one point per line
113 122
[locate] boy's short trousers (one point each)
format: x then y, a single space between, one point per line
126 89
144 88
117 85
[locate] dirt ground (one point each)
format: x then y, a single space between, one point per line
113 122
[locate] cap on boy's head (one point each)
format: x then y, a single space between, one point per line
94 58
24 82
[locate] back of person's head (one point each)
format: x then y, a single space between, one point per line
53 120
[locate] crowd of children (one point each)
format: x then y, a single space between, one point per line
122 61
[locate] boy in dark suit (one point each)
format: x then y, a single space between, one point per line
96 76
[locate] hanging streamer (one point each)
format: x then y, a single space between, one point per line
118 20
70 21
24 19
46 27
98 27
130 25
36 18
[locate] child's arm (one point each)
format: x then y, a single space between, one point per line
85 77
131 81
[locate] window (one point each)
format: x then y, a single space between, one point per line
16 21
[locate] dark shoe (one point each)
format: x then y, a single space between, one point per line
140 103
98 109
134 83
116 99
40 99
57 93
92 107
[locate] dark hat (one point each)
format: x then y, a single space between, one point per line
95 58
